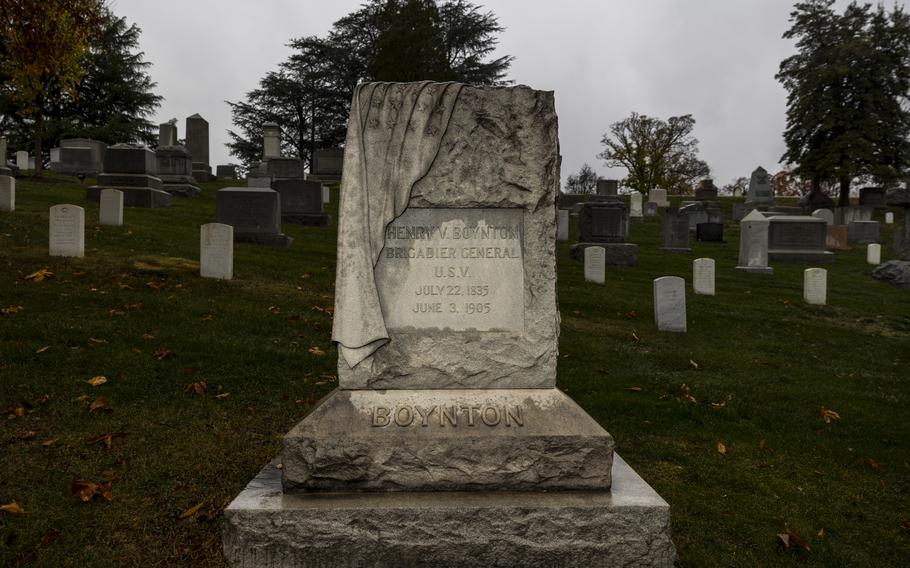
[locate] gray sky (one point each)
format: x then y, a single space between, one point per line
714 59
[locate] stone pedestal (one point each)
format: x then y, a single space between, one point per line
629 525
798 239
255 214
301 202
605 224
132 170
175 168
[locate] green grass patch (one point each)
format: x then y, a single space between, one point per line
204 377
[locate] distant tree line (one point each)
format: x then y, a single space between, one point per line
72 68
309 94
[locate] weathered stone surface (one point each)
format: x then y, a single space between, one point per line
798 239
753 244
635 201
675 234
874 254
301 202
703 276
197 139
824 214
255 214
167 134
595 264
627 526
815 200
562 225
695 213
111 210
216 251
895 272
7 194
706 191
603 222
175 168
898 197
129 159
146 197
815 286
271 141
863 232
658 196
499 150
328 163
901 242
836 238
66 236
761 192
670 303
607 187
872 197
226 171
615 254
284 168
397 440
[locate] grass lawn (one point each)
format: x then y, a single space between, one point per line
203 378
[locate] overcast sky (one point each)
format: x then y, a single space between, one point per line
714 59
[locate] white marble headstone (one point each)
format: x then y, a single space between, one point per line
670 303
326 195
7 194
889 218
67 230
635 210
55 155
874 254
216 251
753 243
595 264
825 214
562 224
658 196
111 211
815 286
703 276
22 160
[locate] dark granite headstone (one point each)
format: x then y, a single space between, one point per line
815 200
254 212
675 236
228 171
175 168
761 192
327 164
607 188
863 232
301 202
798 239
651 209
75 161
872 197
133 170
605 224
284 168
706 191
710 232
695 213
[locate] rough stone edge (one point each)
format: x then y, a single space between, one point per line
628 526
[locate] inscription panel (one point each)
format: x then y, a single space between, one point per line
455 269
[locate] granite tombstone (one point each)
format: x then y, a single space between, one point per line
197 142
761 192
254 213
301 202
670 303
798 239
7 194
675 235
67 231
605 224
134 171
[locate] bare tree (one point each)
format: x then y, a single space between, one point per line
582 183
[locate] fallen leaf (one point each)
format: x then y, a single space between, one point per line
10 310
12 508
99 404
163 353
603 371
330 310
275 310
115 312
97 381
305 275
40 275
192 510
148 335
693 364
123 286
905 525
635 337
790 539
43 349
761 444
207 317
721 448
828 415
315 350
48 443
106 438
155 285
687 395
821 534
295 317
83 489
95 341
27 435
197 388
136 306
874 464
49 537
634 389
631 314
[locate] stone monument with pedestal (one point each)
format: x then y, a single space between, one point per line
798 239
175 168
454 453
761 192
197 142
134 171
605 224
255 214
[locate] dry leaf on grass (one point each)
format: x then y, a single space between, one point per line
195 388
99 405
687 394
96 341
693 364
192 510
790 539
107 439
86 490
12 508
721 448
9 310
40 275
315 350
97 381
43 349
828 415
633 389
163 353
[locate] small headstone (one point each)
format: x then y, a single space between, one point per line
863 232
226 171
22 160
670 303
326 195
658 196
836 238
67 231
216 251
815 286
607 187
825 214
7 194
55 155
175 169
740 210
874 254
675 237
111 211
651 209
889 218
595 264
562 225
761 193
635 200
703 276
753 244
271 141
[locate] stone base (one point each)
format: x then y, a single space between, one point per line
756 269
129 180
181 190
324 178
617 254
270 239
676 250
895 272
133 196
307 219
202 172
627 526
801 256
447 439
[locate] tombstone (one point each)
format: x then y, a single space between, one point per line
67 231
703 276
562 225
740 210
836 238
111 210
301 202
55 155
258 181
635 212
658 196
709 232
255 214
798 239
216 251
271 141
695 213
447 331
133 170
228 171
197 142
874 254
706 191
670 303
3 150
863 232
80 156
167 134
326 195
651 209
889 218
605 224
753 244
675 236
761 193
7 194
607 188
595 264
327 165
900 197
846 215
22 160
815 286
873 197
824 214
175 168
285 168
